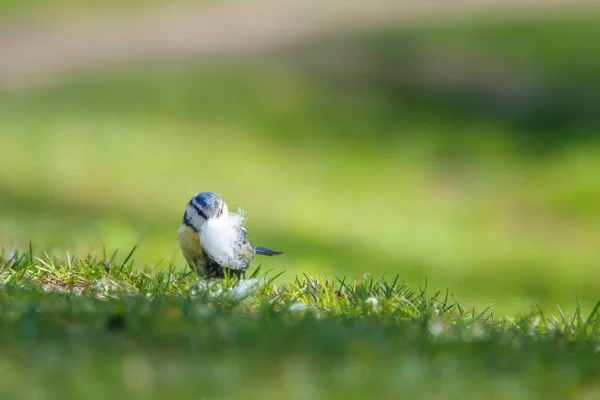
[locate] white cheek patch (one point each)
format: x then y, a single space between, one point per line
222 239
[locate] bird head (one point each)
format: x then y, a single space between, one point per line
204 206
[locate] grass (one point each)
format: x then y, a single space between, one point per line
102 328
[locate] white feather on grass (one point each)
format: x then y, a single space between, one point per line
222 239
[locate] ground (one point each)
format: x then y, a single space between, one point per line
102 329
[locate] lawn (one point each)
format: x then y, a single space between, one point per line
100 328
413 176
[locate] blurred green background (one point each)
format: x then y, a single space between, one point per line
460 153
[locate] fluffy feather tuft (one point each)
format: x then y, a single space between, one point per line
222 238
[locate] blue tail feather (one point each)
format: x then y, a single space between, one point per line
268 252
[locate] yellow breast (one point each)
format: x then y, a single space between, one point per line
189 241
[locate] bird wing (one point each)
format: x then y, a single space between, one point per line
243 232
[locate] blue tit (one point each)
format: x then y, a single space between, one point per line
202 207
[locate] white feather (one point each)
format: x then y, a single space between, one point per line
222 239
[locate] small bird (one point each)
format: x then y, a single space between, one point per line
204 209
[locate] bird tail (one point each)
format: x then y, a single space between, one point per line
268 252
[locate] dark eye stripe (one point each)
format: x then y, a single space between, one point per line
199 211
221 209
